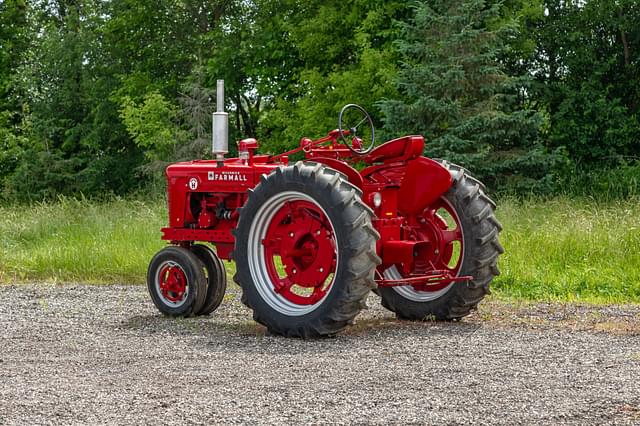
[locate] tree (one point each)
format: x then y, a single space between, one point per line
347 56
510 88
75 140
253 53
14 41
587 77
456 93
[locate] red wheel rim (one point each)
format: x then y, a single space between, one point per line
172 283
440 225
300 252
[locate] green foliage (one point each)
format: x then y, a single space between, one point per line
70 130
11 146
14 33
151 124
533 95
456 92
585 65
252 54
75 240
602 184
346 49
570 249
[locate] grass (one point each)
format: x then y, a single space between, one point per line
561 249
80 241
570 250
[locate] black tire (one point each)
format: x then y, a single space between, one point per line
191 267
355 240
481 250
216 278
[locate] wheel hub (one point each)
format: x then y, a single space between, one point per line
307 253
300 252
173 283
440 225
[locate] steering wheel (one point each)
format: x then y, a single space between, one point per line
359 116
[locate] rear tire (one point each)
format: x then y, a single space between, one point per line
480 252
176 282
306 216
216 278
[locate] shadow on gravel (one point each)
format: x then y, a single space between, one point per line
377 326
215 329
192 326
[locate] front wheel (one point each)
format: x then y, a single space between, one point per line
176 282
463 231
305 251
216 278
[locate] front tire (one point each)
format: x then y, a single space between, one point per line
216 278
176 282
474 213
305 251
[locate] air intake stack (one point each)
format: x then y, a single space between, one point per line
220 126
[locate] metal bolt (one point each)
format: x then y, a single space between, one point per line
436 251
291 234
321 270
293 271
318 232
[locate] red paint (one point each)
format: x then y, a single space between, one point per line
434 281
300 252
402 251
432 267
173 283
401 149
204 199
423 183
352 174
249 144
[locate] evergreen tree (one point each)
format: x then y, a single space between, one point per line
456 93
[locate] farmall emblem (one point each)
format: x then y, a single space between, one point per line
227 176
193 184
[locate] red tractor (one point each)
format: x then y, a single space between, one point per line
311 238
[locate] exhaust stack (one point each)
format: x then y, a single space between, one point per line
220 126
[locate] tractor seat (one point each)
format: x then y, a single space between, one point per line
401 149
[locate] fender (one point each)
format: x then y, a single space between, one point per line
424 181
352 174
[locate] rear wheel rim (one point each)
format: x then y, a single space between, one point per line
292 253
443 226
171 284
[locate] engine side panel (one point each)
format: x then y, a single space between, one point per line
204 200
205 176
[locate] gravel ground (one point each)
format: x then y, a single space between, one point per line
79 354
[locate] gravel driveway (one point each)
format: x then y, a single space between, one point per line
102 354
